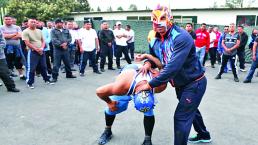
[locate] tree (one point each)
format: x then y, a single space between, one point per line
133 7
44 10
92 10
147 8
250 2
120 8
98 9
215 5
234 3
3 3
81 5
109 9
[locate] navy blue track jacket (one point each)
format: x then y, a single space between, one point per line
176 51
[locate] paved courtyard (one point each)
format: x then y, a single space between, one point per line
69 113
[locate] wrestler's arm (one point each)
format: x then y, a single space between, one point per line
151 58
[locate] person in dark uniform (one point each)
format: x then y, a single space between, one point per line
175 48
189 29
241 49
106 37
61 38
4 71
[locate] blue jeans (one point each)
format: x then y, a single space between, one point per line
91 55
200 52
252 69
71 49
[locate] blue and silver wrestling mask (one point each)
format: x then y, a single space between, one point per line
144 101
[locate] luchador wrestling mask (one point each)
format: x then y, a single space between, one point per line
161 17
144 101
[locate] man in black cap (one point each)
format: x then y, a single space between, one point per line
61 38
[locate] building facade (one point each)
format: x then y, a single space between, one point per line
215 16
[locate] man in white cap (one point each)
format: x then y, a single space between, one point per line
121 44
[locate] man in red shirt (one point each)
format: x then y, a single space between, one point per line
202 42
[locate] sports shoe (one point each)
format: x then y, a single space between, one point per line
111 68
102 70
54 80
30 86
218 77
199 139
13 75
242 70
50 82
82 74
105 137
236 79
22 77
247 81
15 90
147 142
97 72
71 76
1 84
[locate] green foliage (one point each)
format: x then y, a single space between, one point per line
98 9
44 10
81 5
3 3
109 9
234 3
120 8
133 7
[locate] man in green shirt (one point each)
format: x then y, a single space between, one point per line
35 43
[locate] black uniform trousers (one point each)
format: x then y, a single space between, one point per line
106 52
5 75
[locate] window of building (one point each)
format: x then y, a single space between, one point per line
69 19
132 18
146 18
246 20
97 18
185 19
257 21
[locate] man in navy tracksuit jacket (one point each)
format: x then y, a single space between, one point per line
175 48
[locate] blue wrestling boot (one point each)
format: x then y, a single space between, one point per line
105 137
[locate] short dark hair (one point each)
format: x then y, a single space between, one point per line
241 26
86 21
189 24
128 26
103 21
226 26
7 15
204 24
25 21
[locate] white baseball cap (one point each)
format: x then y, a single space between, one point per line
118 23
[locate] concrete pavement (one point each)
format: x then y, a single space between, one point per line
69 113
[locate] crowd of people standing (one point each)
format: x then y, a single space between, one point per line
226 48
36 48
